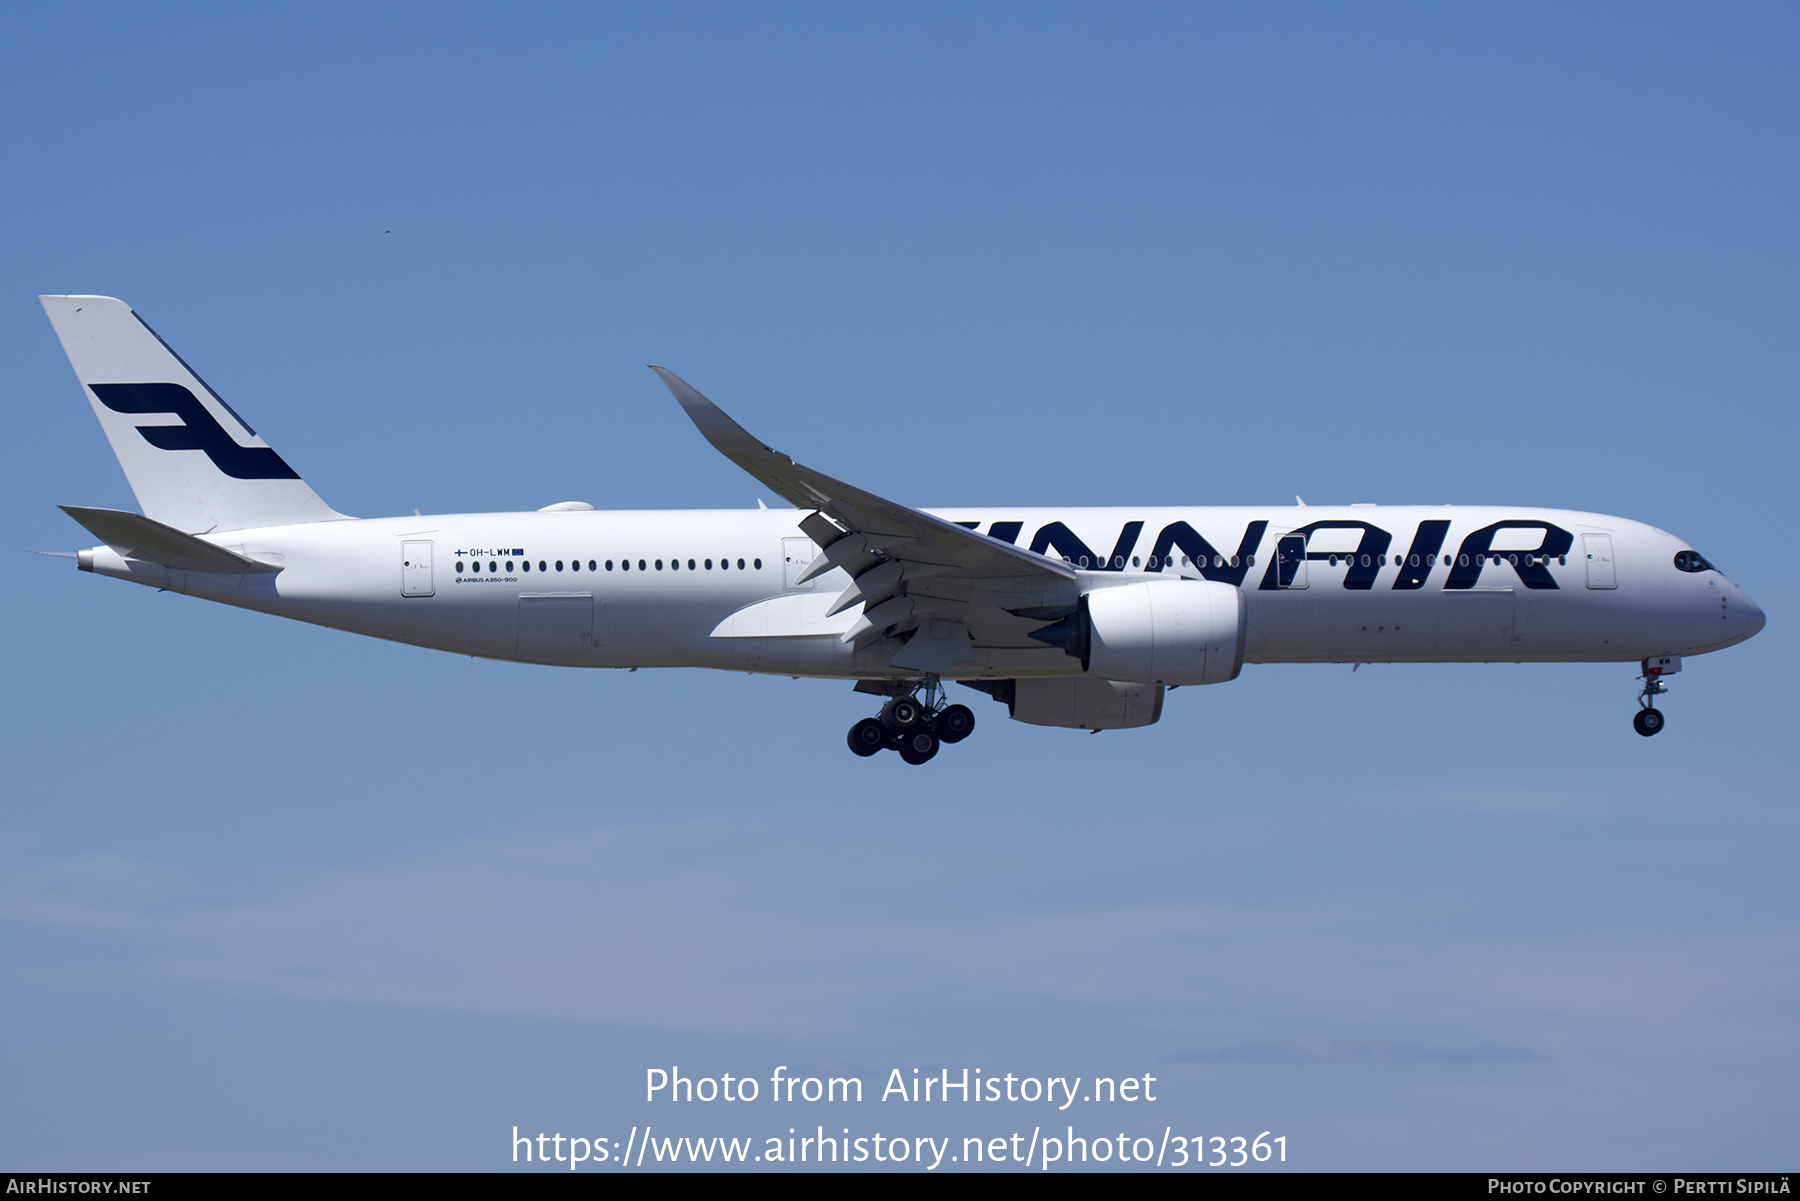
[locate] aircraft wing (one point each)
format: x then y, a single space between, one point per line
906 565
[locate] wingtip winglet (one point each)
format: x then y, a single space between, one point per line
712 421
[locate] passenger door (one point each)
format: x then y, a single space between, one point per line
1600 573
415 569
1290 561
796 556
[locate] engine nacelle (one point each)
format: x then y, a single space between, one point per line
1157 632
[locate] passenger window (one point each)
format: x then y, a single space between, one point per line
559 565
591 564
641 566
527 565
509 565
759 565
674 564
609 565
690 565
493 566
459 567
709 564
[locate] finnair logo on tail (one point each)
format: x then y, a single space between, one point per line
199 430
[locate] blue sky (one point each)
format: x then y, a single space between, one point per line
279 897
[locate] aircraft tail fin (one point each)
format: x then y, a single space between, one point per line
192 462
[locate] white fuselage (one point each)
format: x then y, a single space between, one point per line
1360 584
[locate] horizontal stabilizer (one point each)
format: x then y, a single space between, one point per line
138 537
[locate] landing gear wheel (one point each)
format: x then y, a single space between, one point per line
1649 719
954 724
918 746
867 737
901 714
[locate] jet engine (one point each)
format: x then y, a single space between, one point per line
1156 632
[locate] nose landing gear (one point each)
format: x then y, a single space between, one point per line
1649 719
915 723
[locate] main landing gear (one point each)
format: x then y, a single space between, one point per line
1649 719
915 723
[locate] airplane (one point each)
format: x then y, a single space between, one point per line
1079 618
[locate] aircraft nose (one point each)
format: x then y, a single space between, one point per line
1753 616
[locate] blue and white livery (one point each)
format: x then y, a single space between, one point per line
1071 617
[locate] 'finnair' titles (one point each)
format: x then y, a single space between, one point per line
1080 618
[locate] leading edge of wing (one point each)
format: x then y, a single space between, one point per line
930 539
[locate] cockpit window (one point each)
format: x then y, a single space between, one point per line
1690 560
